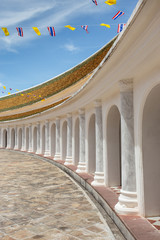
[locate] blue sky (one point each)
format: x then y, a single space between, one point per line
32 59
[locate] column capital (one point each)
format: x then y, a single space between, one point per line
81 111
47 121
98 103
69 115
126 85
30 124
57 118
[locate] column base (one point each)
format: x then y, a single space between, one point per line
57 157
98 179
23 149
68 161
30 150
47 153
38 151
81 167
128 204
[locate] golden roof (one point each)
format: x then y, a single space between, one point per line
64 83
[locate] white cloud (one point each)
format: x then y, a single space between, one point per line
71 47
18 17
39 13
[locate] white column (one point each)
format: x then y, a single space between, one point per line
128 198
57 155
16 139
8 138
30 138
47 139
99 174
38 139
69 159
26 135
23 138
82 161
0 138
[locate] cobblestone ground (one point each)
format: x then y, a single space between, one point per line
39 201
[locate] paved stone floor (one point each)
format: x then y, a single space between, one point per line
39 201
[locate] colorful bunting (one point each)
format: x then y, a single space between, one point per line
10 89
36 30
5 30
95 2
51 31
118 14
4 87
106 25
20 31
120 27
71 28
110 2
85 28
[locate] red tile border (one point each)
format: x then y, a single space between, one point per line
156 226
139 227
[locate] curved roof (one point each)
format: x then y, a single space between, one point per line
58 89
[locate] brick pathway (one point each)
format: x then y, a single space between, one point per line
39 201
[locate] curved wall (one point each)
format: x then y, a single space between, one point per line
109 109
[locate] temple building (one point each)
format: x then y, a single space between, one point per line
100 123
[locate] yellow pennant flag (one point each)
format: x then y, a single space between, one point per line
71 28
36 30
110 2
9 93
5 30
4 87
22 94
106 25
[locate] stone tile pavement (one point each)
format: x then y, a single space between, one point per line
39 201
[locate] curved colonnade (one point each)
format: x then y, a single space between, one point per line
111 128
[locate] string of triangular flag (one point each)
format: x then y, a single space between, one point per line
118 14
52 32
109 2
23 94
85 27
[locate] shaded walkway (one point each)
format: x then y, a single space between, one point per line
39 201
